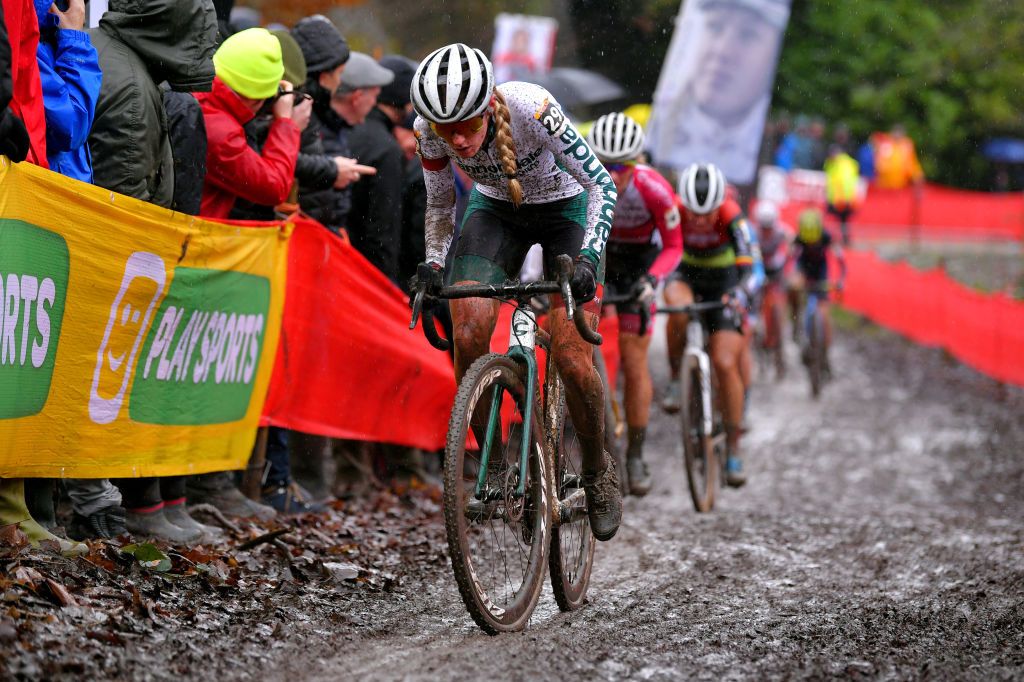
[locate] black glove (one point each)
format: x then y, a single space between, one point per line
584 280
643 288
429 277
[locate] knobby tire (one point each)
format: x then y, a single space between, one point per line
572 544
509 608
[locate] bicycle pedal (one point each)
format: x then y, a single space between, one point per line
572 508
572 481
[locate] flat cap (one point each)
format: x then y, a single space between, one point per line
361 71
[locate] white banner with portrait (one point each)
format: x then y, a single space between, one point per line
524 46
716 83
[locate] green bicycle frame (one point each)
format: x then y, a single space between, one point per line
522 342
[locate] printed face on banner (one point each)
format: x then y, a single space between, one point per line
523 46
715 85
736 58
141 286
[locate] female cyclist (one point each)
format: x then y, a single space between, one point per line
537 182
718 264
644 247
810 251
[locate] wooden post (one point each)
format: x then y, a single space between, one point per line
252 479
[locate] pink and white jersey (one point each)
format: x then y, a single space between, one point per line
647 205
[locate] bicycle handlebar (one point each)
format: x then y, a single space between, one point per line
645 310
508 290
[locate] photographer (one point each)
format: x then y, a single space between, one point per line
249 69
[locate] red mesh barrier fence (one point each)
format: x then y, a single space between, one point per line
984 331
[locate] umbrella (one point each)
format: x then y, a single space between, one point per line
579 87
1004 149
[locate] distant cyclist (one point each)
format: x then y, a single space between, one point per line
810 249
645 247
537 182
775 237
717 265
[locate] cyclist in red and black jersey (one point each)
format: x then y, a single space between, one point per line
718 264
644 248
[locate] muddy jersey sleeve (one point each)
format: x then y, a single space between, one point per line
662 203
439 222
573 154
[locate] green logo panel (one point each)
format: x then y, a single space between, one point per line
201 355
34 269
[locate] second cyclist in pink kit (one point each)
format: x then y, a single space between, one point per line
645 245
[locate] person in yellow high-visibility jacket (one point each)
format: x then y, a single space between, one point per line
842 173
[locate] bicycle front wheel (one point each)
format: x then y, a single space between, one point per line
572 543
498 540
698 453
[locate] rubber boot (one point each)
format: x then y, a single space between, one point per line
106 523
39 500
639 476
218 490
150 523
176 512
13 510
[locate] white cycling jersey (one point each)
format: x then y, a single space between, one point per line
554 162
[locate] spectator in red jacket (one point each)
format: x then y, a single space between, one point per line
249 71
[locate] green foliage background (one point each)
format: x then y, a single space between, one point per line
952 71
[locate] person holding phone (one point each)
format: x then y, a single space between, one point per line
250 69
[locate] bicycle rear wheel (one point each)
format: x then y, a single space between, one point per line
498 544
698 453
572 544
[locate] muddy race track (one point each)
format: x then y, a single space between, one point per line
881 535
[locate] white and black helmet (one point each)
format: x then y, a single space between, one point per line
453 83
702 188
616 138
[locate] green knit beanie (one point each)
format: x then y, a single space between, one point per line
249 62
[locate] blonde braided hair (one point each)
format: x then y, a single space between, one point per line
506 147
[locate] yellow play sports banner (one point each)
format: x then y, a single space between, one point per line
134 341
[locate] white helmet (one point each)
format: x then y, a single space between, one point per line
452 84
766 213
702 188
616 138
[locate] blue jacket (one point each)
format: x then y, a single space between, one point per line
70 73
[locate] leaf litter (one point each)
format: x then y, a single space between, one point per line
163 611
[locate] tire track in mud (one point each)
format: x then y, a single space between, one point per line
880 535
